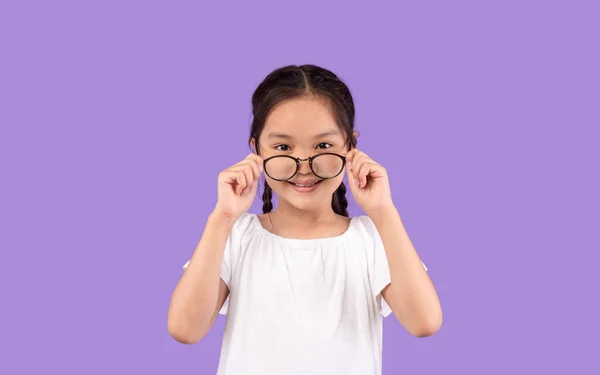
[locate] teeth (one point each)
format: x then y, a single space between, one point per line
305 185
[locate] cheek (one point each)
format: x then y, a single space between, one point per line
334 183
328 187
276 186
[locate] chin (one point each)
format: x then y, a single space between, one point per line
304 204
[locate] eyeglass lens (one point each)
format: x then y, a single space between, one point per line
323 166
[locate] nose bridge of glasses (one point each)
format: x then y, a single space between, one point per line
304 165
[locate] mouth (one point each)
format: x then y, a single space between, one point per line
305 186
305 183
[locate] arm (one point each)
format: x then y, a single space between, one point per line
411 294
200 293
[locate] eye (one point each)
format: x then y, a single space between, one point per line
282 148
324 145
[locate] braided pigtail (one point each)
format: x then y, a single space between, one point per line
267 197
339 203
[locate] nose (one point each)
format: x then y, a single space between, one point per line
304 167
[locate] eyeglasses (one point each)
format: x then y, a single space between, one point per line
284 167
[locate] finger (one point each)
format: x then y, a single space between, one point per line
357 165
350 172
363 173
252 176
350 162
248 176
256 159
351 154
364 159
240 178
259 159
255 170
251 164
250 189
251 171
234 178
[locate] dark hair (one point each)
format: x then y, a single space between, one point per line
294 81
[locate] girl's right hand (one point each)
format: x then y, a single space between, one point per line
237 187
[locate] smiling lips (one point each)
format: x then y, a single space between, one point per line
305 186
305 183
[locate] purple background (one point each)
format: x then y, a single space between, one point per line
117 116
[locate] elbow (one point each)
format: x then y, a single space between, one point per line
183 333
425 331
428 327
183 337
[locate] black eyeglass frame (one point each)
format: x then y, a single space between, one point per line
310 164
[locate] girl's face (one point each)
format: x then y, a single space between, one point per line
301 128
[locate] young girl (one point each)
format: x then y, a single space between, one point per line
304 286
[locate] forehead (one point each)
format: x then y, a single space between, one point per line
301 118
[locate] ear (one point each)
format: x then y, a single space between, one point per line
355 135
253 144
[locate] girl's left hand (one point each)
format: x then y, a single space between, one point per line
368 182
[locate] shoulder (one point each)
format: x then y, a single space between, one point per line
363 224
245 220
241 236
363 234
244 225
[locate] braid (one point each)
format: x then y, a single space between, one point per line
266 197
339 202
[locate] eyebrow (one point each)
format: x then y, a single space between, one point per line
327 134
286 136
279 135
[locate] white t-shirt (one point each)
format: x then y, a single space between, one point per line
303 306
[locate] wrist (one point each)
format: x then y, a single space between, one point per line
222 217
382 212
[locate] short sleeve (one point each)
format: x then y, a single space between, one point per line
232 251
379 267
